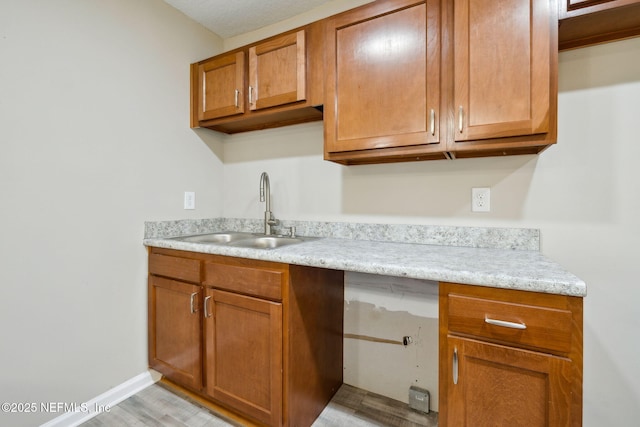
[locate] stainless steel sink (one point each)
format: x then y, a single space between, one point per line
244 240
218 238
267 242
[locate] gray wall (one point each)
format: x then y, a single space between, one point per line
94 140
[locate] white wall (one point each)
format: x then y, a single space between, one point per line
582 194
94 140
328 8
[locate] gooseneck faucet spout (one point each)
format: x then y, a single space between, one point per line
265 196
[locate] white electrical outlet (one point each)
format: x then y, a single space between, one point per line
189 200
481 199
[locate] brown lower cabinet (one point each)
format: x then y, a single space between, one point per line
509 358
263 339
175 330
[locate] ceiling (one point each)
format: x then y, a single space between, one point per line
228 18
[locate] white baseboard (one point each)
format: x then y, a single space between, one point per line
105 401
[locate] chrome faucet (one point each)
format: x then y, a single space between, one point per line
265 196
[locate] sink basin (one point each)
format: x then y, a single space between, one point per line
243 240
219 238
267 242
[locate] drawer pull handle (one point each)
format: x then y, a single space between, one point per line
455 365
194 309
505 324
206 311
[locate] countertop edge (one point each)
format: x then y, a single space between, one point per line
498 268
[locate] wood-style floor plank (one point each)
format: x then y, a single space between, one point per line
159 406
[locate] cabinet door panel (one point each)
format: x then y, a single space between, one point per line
244 354
590 6
522 388
277 71
175 330
501 67
589 22
383 78
221 87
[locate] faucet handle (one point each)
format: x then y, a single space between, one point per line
272 220
292 231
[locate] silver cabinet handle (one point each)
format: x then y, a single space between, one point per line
505 324
433 122
250 95
460 115
206 310
194 308
455 365
237 98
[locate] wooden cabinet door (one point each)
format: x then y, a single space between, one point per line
220 91
277 71
572 4
589 22
503 386
243 339
501 68
569 8
383 76
175 330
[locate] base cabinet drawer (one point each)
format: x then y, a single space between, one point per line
175 267
259 282
522 325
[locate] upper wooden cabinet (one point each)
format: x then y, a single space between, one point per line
587 22
221 82
383 82
275 82
277 71
503 72
580 7
416 80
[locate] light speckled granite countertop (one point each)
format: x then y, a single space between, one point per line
488 266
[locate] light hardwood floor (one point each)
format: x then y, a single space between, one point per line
158 406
